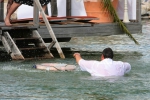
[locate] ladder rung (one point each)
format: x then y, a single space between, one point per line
33 38
18 27
35 48
37 58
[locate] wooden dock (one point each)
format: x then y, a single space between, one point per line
66 29
89 29
33 41
30 46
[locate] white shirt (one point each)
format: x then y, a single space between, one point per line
106 67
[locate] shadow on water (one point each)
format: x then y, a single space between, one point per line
68 52
4 56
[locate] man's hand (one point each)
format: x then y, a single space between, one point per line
77 56
1 1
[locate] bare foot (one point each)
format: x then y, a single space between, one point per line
7 22
40 16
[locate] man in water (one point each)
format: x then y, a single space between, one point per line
105 67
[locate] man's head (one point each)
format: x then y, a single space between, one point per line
107 53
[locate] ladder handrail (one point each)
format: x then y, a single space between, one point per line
37 5
15 51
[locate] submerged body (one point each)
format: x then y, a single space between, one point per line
55 67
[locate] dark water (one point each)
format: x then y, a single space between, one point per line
18 81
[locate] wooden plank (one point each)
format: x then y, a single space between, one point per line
81 18
50 19
28 22
49 40
50 31
6 45
42 43
81 30
1 11
35 15
85 29
17 26
68 8
15 52
35 48
53 19
18 39
54 10
138 14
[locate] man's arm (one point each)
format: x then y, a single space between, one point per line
85 65
127 67
77 56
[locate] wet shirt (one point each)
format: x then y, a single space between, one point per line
106 67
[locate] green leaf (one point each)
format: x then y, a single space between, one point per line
107 5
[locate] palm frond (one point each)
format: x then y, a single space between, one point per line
107 4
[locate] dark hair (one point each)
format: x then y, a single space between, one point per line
108 53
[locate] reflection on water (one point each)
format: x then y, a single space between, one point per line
19 81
